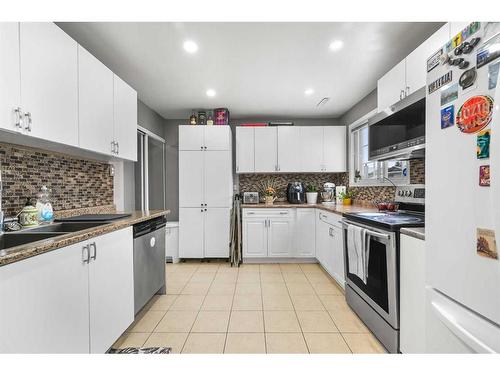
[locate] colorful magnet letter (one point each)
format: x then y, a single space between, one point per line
484 175
449 94
483 144
447 117
475 114
486 243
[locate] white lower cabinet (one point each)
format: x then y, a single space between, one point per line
280 235
305 233
255 238
204 232
111 288
77 299
330 245
412 295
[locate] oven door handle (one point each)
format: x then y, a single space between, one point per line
369 232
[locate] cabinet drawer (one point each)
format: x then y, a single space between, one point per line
329 217
268 212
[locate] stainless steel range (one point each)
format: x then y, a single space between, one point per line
372 262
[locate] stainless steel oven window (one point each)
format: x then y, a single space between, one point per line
384 241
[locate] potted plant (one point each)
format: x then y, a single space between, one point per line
312 194
269 191
347 197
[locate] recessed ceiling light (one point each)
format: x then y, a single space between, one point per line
336 45
211 92
309 92
190 46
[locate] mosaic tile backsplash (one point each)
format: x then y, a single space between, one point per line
364 195
74 182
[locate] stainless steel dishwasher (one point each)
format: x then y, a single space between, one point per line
149 260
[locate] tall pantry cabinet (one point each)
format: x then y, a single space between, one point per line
205 191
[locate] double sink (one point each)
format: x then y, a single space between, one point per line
26 236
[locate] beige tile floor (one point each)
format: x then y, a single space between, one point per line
257 308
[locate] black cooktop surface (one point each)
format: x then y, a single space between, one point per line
391 221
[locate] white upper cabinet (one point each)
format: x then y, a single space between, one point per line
334 148
217 138
191 178
266 149
311 148
49 82
125 119
245 150
409 75
204 138
416 62
10 89
95 97
217 174
288 149
390 88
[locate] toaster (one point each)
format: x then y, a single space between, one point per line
250 197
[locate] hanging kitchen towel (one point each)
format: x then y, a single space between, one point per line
356 246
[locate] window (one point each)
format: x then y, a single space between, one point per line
363 172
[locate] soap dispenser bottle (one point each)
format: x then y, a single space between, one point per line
43 206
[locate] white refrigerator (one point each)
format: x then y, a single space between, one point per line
463 194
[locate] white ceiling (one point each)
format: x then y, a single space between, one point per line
257 69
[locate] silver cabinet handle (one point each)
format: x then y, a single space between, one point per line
401 94
117 148
85 254
113 147
251 213
94 253
201 148
205 148
19 117
283 212
407 91
29 122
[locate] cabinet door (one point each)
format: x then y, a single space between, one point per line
217 232
334 146
191 178
49 81
218 178
266 149
191 232
255 238
217 138
280 238
390 87
338 271
245 150
10 76
288 149
191 138
45 304
412 295
125 119
111 288
95 99
305 233
311 148
416 62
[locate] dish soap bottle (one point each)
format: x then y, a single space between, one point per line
43 206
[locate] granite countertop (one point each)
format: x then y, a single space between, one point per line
15 254
418 232
335 208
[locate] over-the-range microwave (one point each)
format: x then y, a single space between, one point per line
398 132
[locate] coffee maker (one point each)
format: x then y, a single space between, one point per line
328 193
296 193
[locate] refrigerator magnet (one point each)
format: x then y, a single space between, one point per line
449 94
440 82
493 75
483 144
434 60
475 114
486 243
456 40
484 175
467 78
447 117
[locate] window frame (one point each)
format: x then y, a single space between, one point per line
382 167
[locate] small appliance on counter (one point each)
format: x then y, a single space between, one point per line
296 193
250 197
28 217
328 193
339 192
